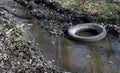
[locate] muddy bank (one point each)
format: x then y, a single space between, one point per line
17 54
54 11
56 22
57 19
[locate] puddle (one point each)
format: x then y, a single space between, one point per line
85 57
78 57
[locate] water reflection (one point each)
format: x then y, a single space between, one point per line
63 57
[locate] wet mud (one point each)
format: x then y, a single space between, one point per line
57 19
77 57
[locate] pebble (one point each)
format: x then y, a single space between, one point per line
13 9
53 42
88 56
29 24
110 62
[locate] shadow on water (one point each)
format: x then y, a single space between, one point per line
78 57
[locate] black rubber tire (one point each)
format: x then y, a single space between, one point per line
99 28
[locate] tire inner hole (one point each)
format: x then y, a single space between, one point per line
87 32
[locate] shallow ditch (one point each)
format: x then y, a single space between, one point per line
82 57
85 57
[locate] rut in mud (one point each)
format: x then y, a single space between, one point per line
57 19
54 17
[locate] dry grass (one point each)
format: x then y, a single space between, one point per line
93 6
104 9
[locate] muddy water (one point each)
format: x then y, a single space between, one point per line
79 57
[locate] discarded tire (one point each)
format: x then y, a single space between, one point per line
100 29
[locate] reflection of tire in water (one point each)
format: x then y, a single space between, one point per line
88 26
